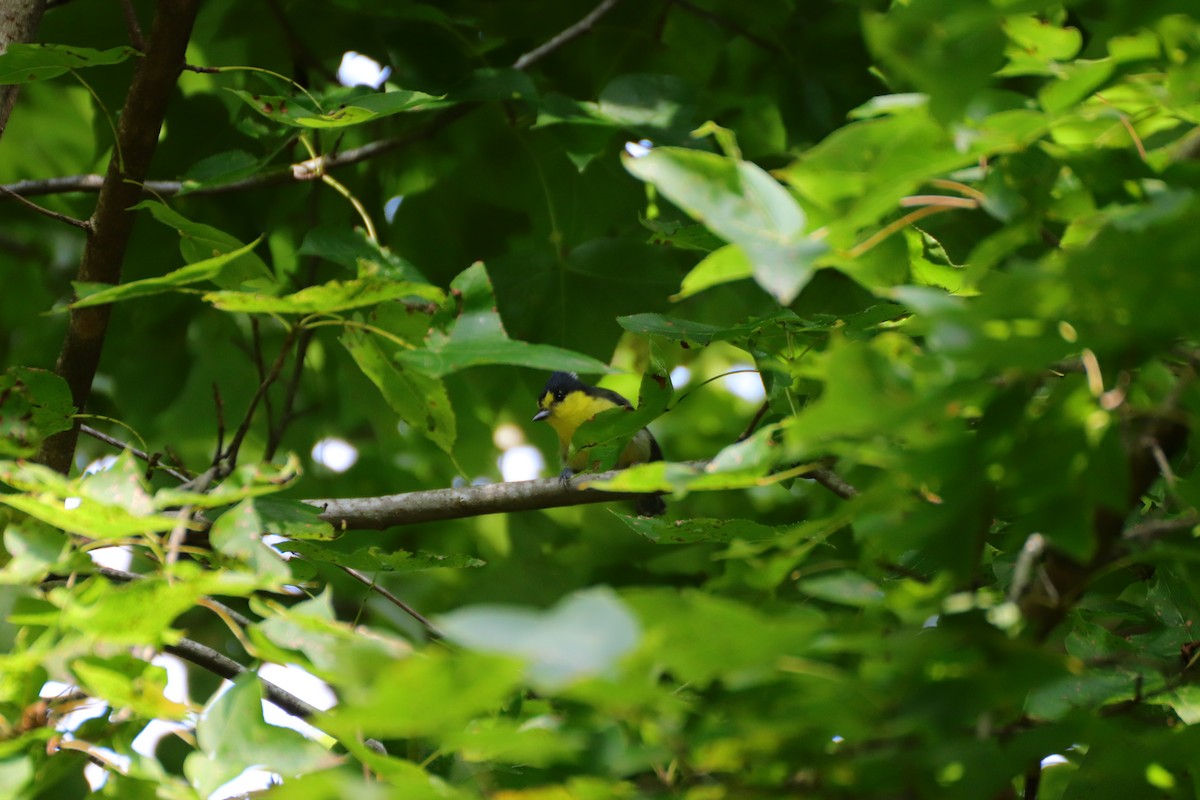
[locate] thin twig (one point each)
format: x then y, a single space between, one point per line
231 454
758 415
219 407
261 365
151 459
287 411
82 224
833 482
403 606
578 29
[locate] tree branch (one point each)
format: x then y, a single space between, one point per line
377 513
578 29
153 81
218 664
139 454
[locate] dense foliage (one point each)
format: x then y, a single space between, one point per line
957 239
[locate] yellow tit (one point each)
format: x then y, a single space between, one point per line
567 402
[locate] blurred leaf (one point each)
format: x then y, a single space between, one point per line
847 588
583 635
128 683
34 404
454 689
232 736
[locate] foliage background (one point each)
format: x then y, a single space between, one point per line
956 238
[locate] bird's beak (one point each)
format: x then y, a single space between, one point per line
541 415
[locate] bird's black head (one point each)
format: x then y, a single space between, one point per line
562 384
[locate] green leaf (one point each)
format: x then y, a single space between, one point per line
250 480
216 269
352 248
652 105
420 399
689 531
125 682
232 736
309 633
740 202
138 612
293 112
455 687
22 63
45 495
238 534
701 638
724 265
847 588
476 337
327 298
584 635
34 404
376 559
199 242
219 169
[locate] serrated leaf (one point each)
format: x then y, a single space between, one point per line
327 298
420 399
238 534
352 248
213 269
376 559
688 531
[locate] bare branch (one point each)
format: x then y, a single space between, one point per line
78 223
218 664
833 482
396 601
141 121
230 456
578 29
411 508
149 458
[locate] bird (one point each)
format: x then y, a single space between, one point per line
566 403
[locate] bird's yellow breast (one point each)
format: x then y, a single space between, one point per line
572 411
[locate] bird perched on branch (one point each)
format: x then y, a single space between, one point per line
567 402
